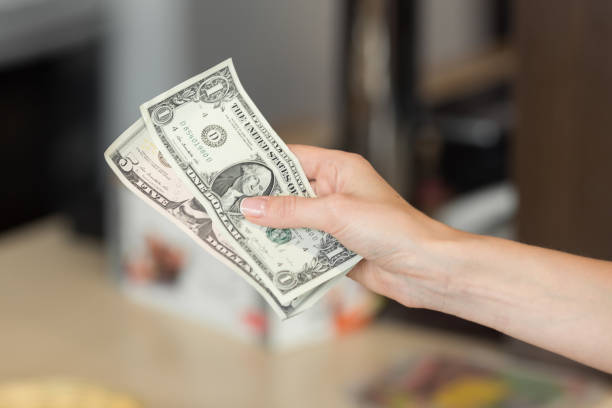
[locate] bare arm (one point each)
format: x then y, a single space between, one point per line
554 300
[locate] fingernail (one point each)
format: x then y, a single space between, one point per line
253 207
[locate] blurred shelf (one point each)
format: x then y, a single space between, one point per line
443 84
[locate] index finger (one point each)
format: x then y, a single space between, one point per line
311 157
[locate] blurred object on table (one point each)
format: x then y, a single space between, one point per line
464 382
61 393
160 262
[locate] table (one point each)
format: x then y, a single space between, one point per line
62 314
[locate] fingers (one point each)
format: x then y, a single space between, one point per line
290 212
373 278
311 157
336 171
358 272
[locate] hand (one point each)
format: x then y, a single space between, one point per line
554 300
357 206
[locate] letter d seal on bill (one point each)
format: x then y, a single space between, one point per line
214 136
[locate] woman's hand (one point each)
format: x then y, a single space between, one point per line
357 206
557 301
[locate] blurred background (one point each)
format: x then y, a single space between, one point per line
489 115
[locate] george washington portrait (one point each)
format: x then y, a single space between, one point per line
240 181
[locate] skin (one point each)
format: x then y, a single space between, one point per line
554 300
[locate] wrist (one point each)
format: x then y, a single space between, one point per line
447 255
433 262
450 266
473 279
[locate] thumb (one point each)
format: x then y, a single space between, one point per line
290 212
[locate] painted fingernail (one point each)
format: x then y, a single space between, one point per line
253 207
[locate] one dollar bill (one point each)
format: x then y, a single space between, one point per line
142 168
223 150
199 150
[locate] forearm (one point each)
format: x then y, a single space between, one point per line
557 301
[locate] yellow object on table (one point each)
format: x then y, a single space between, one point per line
61 393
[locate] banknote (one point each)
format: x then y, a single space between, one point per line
223 150
139 165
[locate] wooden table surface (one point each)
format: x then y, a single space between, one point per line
61 315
